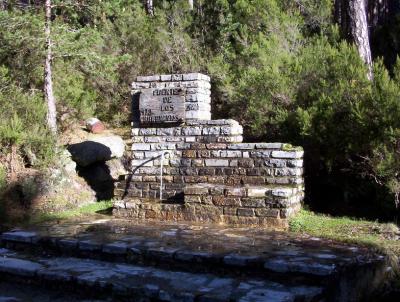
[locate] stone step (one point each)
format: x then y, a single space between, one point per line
234 253
312 267
126 282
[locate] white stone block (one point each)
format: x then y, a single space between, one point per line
212 130
195 76
166 77
151 78
287 154
163 146
191 131
205 78
152 139
282 192
141 163
231 153
232 130
147 131
217 162
198 91
256 192
151 154
296 163
138 85
260 154
138 139
190 139
139 147
199 115
198 98
269 145
242 146
137 155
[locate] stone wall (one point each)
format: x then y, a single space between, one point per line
209 174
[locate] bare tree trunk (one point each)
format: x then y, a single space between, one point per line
359 31
149 7
191 4
48 82
3 4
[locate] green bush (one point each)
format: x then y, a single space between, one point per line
3 178
22 122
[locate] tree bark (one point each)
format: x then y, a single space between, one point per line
191 5
3 4
149 7
48 82
359 31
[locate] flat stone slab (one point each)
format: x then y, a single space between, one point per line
254 249
20 236
8 299
19 267
153 283
15 292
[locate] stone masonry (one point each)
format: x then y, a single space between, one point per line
208 173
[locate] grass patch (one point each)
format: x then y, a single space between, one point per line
100 207
381 236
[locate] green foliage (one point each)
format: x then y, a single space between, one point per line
3 186
3 178
22 121
380 236
317 14
87 210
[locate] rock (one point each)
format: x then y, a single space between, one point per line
97 149
114 142
67 163
99 179
116 168
101 176
94 125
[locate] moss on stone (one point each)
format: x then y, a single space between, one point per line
289 147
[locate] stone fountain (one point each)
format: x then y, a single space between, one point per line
200 167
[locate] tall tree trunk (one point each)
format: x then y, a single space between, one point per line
3 4
149 7
359 31
191 5
48 82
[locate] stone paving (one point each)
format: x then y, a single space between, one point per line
176 261
150 282
13 292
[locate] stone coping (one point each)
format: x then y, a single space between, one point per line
221 122
174 77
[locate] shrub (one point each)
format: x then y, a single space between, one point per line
22 122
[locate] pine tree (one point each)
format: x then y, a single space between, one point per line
48 81
149 7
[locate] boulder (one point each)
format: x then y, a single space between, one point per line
116 168
114 142
66 162
99 179
97 149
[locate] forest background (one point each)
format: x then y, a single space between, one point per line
288 70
